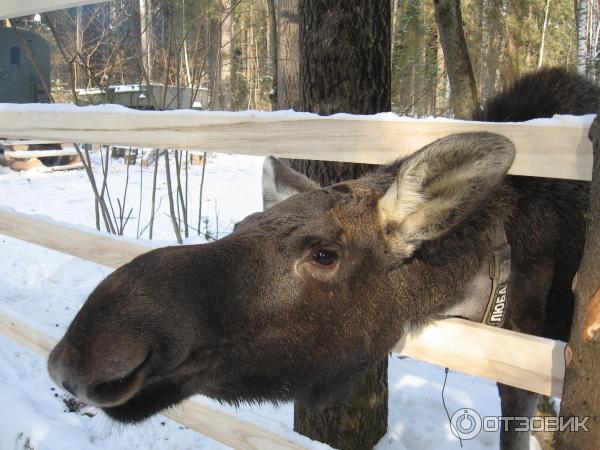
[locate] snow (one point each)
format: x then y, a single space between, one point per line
46 288
583 122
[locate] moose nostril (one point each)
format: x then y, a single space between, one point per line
118 390
69 388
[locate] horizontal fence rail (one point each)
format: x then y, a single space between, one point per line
528 362
18 8
557 148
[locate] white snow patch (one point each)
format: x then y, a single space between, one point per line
283 115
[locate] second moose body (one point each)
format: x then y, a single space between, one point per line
302 298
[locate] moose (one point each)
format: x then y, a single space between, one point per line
307 295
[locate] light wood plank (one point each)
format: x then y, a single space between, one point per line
552 148
528 362
26 154
89 245
209 421
18 8
9 143
26 335
76 166
236 433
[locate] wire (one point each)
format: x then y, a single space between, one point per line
446 370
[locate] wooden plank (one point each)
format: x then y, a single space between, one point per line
26 335
235 433
18 8
26 154
209 421
11 143
89 245
550 148
76 166
529 362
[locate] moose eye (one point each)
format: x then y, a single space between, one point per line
325 257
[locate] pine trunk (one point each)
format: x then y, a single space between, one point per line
345 67
272 48
225 58
463 89
581 393
288 51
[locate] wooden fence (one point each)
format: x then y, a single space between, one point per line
548 148
528 362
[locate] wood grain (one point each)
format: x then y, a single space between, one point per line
528 362
557 148
89 245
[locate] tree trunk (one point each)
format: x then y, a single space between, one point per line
146 36
463 90
581 393
272 49
355 423
544 27
394 28
225 58
345 67
502 48
582 36
78 47
288 51
213 39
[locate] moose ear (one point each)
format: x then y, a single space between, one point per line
279 181
439 186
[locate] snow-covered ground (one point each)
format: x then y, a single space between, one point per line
46 288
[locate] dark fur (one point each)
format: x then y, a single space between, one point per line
540 94
251 317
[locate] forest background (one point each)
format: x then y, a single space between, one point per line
231 49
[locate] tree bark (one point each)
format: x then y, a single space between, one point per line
581 393
272 49
463 89
582 36
345 66
288 51
213 46
146 48
225 58
356 423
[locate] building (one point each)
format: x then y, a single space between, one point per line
19 82
145 96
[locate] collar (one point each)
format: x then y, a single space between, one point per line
500 268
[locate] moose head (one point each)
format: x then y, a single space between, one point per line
299 298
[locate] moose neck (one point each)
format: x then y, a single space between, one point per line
460 281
